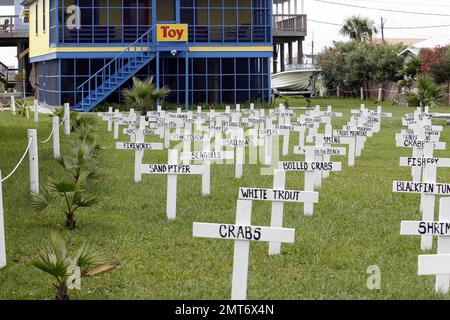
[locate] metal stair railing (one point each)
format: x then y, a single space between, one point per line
139 46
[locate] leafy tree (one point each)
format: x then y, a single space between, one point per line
354 63
359 28
425 92
54 260
143 94
436 62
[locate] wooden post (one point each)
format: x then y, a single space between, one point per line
337 91
13 105
442 280
239 155
34 162
56 147
139 154
2 229
362 93
206 176
36 111
241 251
110 110
276 220
380 94
172 187
66 119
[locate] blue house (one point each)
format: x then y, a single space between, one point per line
206 51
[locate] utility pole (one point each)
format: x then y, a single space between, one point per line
312 49
382 29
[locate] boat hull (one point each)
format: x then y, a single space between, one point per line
295 80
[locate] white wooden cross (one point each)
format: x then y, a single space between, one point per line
419 147
328 113
428 188
107 116
187 139
301 128
165 126
310 167
325 152
242 232
206 156
139 146
238 142
267 143
278 196
438 264
172 169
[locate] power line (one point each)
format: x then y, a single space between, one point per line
390 28
405 3
388 10
324 22
421 27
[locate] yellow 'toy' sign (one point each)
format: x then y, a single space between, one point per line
172 32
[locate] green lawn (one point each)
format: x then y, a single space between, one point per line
356 224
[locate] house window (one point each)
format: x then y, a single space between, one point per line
36 14
43 15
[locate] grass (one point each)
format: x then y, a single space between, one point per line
356 224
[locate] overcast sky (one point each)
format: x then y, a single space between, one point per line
324 34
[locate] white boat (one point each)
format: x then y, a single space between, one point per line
296 77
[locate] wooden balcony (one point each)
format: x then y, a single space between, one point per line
289 25
13 27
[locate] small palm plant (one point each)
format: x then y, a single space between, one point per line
143 94
22 109
54 260
77 121
74 193
86 135
425 92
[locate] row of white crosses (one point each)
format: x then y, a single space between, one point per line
243 231
423 137
232 125
317 164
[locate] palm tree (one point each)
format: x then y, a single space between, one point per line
425 92
143 94
359 28
55 260
83 167
72 195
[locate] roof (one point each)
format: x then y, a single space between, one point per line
433 42
411 50
405 41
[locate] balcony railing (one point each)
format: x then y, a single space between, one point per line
289 24
11 25
303 66
8 75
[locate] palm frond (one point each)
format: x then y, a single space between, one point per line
93 262
40 200
88 202
52 258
